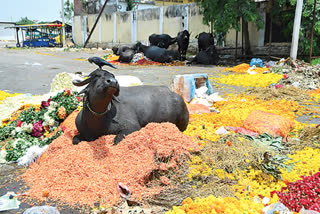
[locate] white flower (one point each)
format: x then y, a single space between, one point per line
27 127
51 122
18 129
3 154
53 106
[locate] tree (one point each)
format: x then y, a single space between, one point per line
25 21
129 5
306 23
68 11
227 14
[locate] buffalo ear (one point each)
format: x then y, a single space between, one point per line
83 91
117 93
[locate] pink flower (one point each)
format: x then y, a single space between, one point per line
278 86
285 76
45 104
37 129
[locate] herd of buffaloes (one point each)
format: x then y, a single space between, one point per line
158 50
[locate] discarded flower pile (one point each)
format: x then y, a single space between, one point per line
212 205
90 171
235 110
29 125
243 68
4 95
303 193
248 80
257 183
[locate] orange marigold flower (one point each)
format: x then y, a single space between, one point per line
62 112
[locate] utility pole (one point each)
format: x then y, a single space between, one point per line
296 30
63 37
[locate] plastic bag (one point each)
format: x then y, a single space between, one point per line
276 208
42 210
257 62
273 124
304 211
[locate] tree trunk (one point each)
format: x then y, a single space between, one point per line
247 48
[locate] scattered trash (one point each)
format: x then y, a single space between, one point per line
257 62
124 191
9 202
42 210
31 155
186 85
276 208
222 130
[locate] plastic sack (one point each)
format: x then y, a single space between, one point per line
42 210
257 62
263 122
198 109
242 131
185 85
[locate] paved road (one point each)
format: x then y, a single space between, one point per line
32 70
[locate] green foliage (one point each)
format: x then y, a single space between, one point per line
315 61
68 11
226 14
25 21
18 148
129 5
306 24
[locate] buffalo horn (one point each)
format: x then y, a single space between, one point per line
81 83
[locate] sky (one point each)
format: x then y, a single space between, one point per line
41 10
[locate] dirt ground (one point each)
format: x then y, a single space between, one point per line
32 70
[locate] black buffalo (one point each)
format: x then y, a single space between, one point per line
126 53
183 43
155 53
205 40
161 40
111 110
206 57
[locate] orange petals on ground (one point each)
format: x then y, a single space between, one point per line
91 171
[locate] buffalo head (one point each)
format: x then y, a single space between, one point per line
101 85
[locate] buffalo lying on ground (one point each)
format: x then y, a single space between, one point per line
111 110
161 40
155 53
205 40
126 53
183 43
206 57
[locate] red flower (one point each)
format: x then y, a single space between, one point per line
45 104
67 91
37 129
79 99
19 123
285 76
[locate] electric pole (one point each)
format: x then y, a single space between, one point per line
63 37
